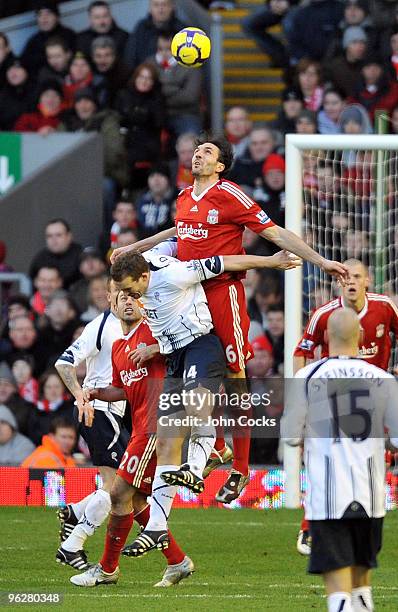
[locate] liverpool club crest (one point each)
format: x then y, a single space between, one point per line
212 216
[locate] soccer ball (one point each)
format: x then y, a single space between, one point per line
191 47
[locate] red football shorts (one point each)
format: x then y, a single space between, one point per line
138 464
227 304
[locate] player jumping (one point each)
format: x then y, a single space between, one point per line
179 319
139 381
378 317
341 407
211 216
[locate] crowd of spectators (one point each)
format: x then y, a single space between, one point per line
341 66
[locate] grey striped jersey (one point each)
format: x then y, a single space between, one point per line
175 302
342 407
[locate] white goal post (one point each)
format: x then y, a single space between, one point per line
377 185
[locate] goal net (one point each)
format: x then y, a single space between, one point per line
342 199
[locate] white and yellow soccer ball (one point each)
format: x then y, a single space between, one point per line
191 47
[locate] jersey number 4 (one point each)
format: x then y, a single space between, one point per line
349 424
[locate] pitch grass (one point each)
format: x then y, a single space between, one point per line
245 560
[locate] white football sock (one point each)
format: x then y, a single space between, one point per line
95 514
199 450
339 602
79 507
162 499
362 599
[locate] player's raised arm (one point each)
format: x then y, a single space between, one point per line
285 239
144 245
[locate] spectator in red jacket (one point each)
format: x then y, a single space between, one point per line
375 89
46 118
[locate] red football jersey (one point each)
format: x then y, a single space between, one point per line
378 318
142 385
213 222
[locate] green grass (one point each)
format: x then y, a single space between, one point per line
245 560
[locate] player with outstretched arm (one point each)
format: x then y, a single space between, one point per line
210 218
179 318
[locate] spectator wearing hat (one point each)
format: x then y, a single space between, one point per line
332 107
85 116
344 70
6 58
47 280
247 168
270 192
306 122
80 76
46 117
154 206
58 57
181 89
375 89
292 105
102 23
14 447
61 252
262 361
91 265
110 74
356 14
141 106
47 15
9 395
142 41
56 448
18 96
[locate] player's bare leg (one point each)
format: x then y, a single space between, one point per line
362 599
94 513
338 585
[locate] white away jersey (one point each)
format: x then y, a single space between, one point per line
341 407
175 302
95 346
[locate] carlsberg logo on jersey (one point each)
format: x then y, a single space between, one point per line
130 376
191 232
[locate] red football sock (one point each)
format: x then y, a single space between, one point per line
173 552
241 447
116 535
305 526
219 444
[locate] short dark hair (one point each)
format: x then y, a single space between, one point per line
4 38
97 4
61 423
57 41
226 155
129 264
59 220
276 308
